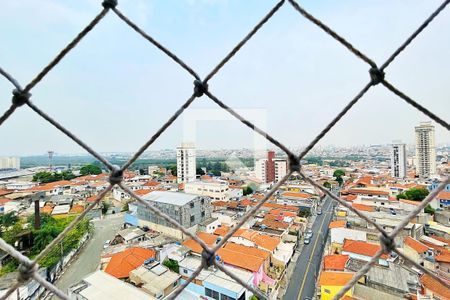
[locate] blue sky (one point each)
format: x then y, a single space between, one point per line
115 89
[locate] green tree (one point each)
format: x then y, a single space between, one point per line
327 185
8 219
172 265
254 297
90 170
429 210
12 234
200 171
338 175
172 169
247 190
67 175
125 207
415 194
105 207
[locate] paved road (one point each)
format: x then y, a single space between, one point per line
89 258
302 284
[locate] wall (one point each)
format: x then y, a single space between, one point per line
328 292
339 234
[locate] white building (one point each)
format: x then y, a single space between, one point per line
9 162
186 166
216 190
280 169
425 150
398 159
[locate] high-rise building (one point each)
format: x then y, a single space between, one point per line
9 162
186 166
398 159
425 150
270 169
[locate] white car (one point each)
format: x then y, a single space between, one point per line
106 244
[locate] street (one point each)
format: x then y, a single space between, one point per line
88 260
302 284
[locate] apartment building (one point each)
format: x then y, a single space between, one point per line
425 150
9 162
398 159
216 190
186 165
270 169
187 209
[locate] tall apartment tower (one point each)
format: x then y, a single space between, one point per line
270 169
425 150
398 159
9 162
186 166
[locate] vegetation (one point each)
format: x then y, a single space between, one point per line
172 265
91 169
254 297
247 190
327 185
415 194
429 210
46 177
338 175
16 228
105 207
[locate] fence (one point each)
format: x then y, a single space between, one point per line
21 96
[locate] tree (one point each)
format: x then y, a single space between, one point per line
46 177
172 169
254 297
429 210
8 219
172 265
90 170
141 171
415 194
200 171
105 207
327 185
247 190
125 207
338 175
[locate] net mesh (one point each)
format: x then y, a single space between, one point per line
21 96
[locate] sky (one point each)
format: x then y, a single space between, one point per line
115 89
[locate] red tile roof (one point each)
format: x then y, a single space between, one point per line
435 286
363 207
335 262
443 257
416 245
444 195
335 278
5 192
338 224
122 263
296 195
363 248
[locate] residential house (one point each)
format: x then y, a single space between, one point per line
122 263
155 279
363 251
332 282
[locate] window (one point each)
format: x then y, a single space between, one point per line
327 291
192 219
211 293
202 201
185 271
175 283
203 213
225 297
192 204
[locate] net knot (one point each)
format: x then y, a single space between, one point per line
387 243
109 3
20 97
25 272
294 163
208 258
376 75
116 176
200 88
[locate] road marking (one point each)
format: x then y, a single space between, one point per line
309 261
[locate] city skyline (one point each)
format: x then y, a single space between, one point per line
86 90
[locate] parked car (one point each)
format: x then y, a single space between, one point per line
309 234
106 244
306 241
319 211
